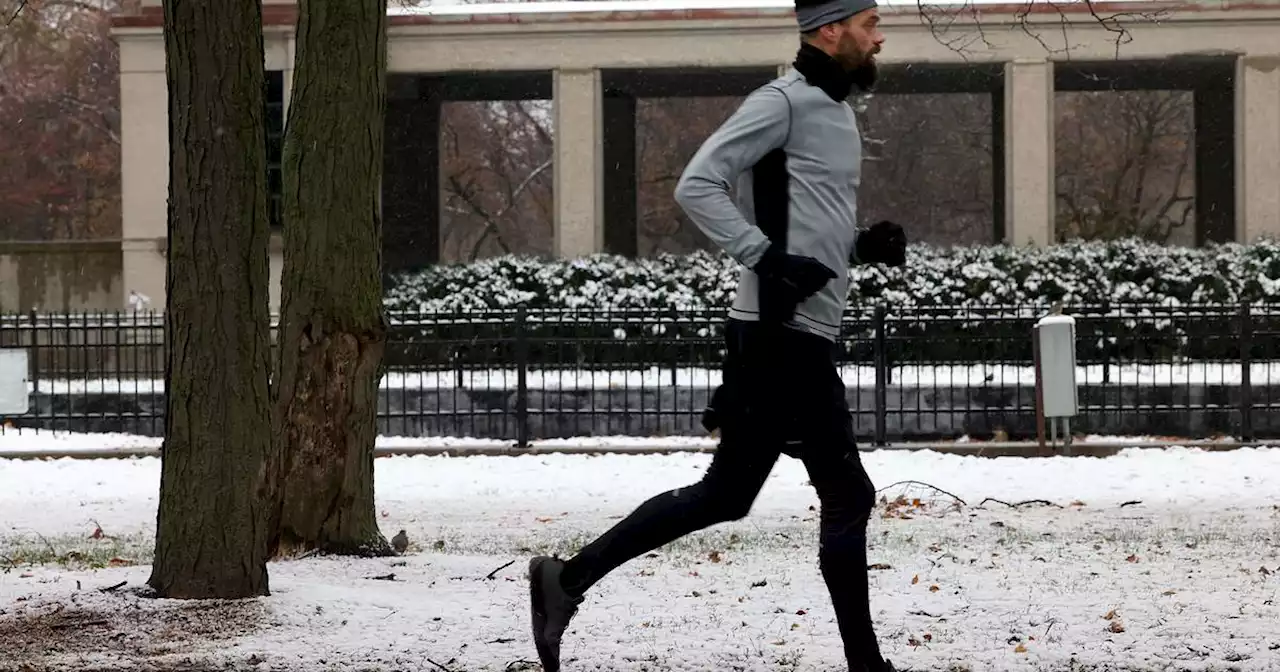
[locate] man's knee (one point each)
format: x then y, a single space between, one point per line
846 496
709 504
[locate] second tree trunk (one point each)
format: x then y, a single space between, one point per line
333 329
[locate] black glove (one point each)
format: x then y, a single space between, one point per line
883 243
786 280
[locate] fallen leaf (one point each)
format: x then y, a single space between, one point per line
915 579
1110 615
911 640
928 637
795 626
714 556
1019 649
544 519
118 562
1078 503
801 612
1169 592
934 588
1116 626
1132 558
97 533
1264 571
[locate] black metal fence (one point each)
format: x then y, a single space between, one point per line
911 373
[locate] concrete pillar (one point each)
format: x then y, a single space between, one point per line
579 159
411 176
621 227
10 276
144 167
1029 191
1258 147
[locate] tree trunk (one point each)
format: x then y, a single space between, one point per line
211 538
333 328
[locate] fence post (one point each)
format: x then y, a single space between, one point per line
35 354
1106 348
675 349
522 380
1246 361
882 375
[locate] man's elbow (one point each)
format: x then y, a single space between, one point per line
693 191
685 191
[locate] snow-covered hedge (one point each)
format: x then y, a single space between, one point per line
978 283
1126 271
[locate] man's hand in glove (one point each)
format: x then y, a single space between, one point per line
786 280
883 243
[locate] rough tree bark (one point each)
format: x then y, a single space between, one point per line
211 537
333 328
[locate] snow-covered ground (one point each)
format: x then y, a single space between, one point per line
1150 560
921 376
17 441
40 443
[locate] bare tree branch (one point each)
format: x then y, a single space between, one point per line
960 27
491 224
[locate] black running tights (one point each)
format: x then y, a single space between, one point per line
726 492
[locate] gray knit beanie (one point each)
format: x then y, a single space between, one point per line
813 14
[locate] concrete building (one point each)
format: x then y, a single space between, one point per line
593 60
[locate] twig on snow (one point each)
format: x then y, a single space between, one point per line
491 575
111 588
48 543
1132 502
927 485
439 665
1017 504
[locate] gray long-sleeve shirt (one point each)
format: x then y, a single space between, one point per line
784 167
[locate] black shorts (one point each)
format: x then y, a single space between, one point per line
782 386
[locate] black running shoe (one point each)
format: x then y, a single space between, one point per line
551 608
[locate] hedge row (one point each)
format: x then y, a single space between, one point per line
972 303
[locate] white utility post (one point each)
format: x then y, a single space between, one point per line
14 397
1056 392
